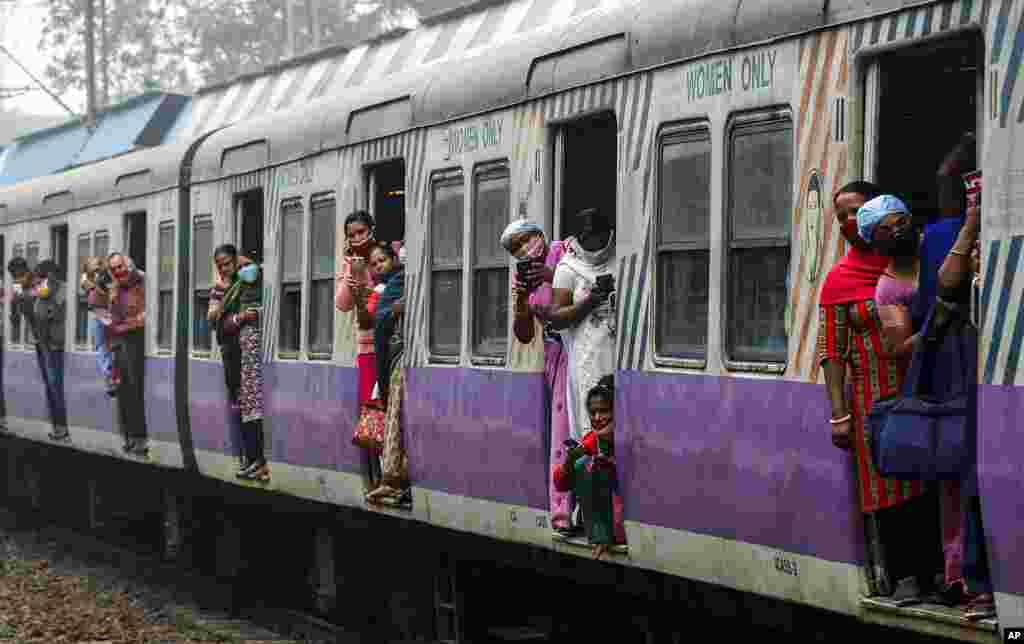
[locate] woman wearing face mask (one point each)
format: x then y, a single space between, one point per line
584 309
850 337
238 314
525 241
354 285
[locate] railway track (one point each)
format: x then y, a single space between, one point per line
208 606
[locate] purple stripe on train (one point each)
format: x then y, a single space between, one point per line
85 393
478 433
1001 479
312 409
740 458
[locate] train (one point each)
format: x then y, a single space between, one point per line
742 117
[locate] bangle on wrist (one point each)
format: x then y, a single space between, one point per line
836 421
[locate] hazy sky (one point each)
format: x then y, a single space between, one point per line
20 31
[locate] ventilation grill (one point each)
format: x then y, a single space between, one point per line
839 119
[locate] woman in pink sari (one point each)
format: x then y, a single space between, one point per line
525 241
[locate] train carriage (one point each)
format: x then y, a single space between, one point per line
717 132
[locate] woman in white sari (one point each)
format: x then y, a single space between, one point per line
584 310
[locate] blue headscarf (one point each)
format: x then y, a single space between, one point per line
874 211
519 227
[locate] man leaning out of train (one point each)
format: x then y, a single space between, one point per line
127 330
40 300
96 283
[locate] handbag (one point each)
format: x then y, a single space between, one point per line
369 433
925 435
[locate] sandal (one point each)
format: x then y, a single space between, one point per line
383 490
982 606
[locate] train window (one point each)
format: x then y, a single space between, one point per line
446 266
202 269
82 306
289 340
59 246
101 244
760 202
321 287
165 287
683 250
32 255
249 210
491 197
135 234
17 251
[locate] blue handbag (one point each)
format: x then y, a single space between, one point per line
926 433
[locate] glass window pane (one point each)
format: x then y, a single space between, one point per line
322 234
321 316
200 326
84 251
490 307
685 190
291 307
758 287
101 246
762 182
165 324
490 215
682 316
291 241
446 312
165 276
202 260
446 224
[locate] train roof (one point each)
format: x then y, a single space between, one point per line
130 175
610 38
481 56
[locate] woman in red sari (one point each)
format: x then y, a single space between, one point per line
850 339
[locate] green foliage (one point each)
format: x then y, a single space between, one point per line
178 45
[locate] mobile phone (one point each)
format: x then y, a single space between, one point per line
606 283
972 182
571 444
523 271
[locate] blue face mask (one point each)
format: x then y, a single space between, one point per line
249 273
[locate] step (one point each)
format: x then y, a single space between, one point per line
582 542
934 619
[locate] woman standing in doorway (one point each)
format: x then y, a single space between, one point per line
525 241
353 285
236 311
585 310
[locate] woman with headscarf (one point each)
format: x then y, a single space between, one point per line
850 337
354 284
584 310
385 309
525 241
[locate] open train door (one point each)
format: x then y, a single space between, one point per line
921 101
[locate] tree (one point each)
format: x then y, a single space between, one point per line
143 46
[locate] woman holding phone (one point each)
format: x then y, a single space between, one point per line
354 283
584 309
535 270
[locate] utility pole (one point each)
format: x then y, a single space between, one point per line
313 7
104 57
290 20
90 66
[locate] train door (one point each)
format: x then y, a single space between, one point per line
249 223
386 199
135 238
586 163
59 247
921 101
